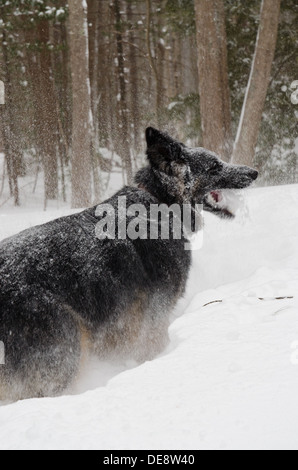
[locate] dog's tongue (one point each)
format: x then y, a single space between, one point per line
217 196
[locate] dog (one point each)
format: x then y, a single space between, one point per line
65 291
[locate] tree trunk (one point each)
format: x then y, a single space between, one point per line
134 80
10 137
81 122
214 89
43 96
93 22
160 63
122 100
47 114
153 64
253 106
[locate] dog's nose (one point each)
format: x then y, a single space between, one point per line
254 174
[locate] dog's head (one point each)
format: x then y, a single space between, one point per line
194 176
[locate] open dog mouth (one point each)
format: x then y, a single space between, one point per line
216 202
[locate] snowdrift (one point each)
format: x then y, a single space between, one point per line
229 379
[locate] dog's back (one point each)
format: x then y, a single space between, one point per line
62 288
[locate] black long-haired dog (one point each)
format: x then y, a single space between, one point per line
64 289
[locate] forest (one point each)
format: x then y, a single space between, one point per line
83 79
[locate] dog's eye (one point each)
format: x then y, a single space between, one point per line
215 167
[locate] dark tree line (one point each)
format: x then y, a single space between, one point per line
93 74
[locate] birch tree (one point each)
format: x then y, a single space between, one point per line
253 106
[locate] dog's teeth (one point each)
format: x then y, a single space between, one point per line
213 198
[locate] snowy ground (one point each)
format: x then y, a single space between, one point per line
229 379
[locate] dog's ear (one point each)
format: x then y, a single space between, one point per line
162 148
153 137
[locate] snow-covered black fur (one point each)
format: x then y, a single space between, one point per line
64 292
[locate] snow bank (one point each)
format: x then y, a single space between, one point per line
229 379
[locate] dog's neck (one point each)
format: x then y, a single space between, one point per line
147 181
146 190
150 180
